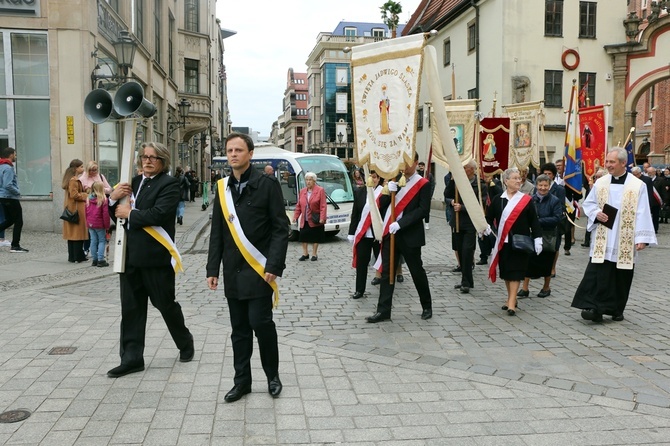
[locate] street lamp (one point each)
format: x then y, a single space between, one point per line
124 48
173 122
339 137
631 24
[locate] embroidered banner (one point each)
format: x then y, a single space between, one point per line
593 127
385 86
524 125
494 145
461 116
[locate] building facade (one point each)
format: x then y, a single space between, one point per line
55 52
329 123
294 120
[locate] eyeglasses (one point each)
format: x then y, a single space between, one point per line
93 169
151 158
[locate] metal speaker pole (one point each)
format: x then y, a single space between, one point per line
98 106
130 99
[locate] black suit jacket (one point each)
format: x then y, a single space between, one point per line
411 223
650 191
360 198
527 223
156 205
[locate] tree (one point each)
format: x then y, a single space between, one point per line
391 15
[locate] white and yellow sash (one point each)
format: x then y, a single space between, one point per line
626 229
253 256
162 237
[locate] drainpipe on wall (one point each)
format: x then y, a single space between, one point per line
476 8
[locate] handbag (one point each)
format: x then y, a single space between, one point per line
549 237
70 217
316 217
523 243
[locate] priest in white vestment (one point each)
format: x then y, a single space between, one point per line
622 198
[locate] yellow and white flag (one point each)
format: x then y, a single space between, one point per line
525 119
385 96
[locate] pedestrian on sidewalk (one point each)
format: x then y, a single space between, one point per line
9 198
3 242
75 201
249 230
184 186
151 259
97 218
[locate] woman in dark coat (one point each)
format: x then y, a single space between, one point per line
512 213
75 199
549 213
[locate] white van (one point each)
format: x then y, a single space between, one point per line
290 168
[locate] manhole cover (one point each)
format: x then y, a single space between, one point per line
62 350
12 416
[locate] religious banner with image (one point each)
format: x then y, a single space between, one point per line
494 135
385 86
593 127
524 125
462 120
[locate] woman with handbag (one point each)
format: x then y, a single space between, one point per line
310 213
75 202
549 213
514 216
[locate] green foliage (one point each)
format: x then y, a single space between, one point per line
391 14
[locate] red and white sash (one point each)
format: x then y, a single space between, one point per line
365 222
512 210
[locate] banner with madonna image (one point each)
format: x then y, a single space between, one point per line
593 128
493 153
524 148
385 96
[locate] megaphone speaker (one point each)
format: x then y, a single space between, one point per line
98 106
130 99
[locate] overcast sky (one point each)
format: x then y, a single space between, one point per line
273 36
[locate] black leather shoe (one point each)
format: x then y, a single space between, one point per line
482 262
187 354
523 293
125 369
357 295
237 392
275 386
465 290
585 245
427 314
457 270
377 317
544 293
617 317
399 278
303 258
457 287
376 281
592 315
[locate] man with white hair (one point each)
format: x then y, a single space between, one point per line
618 215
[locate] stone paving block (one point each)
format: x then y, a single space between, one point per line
156 437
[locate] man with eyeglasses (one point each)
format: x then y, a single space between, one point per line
151 258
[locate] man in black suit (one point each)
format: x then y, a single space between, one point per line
412 206
149 271
250 235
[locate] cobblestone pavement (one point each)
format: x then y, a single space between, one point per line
469 376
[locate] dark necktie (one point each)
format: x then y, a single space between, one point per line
143 184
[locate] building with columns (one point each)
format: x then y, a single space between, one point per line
55 52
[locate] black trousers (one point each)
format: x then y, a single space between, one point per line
364 249
138 285
465 242
13 216
655 217
604 288
75 251
246 318
567 231
412 255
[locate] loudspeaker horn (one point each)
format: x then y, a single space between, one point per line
98 106
130 99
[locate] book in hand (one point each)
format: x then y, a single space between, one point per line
611 212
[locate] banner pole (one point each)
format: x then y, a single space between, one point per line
126 174
392 240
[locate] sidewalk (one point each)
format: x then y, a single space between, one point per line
469 376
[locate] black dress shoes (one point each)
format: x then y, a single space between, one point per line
465 290
400 278
523 293
274 387
592 315
376 281
544 293
187 354
457 287
482 262
357 295
125 369
303 258
617 317
427 314
237 392
377 317
458 269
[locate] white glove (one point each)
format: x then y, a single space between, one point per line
351 238
538 245
394 227
393 186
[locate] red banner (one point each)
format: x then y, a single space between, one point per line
593 127
494 145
